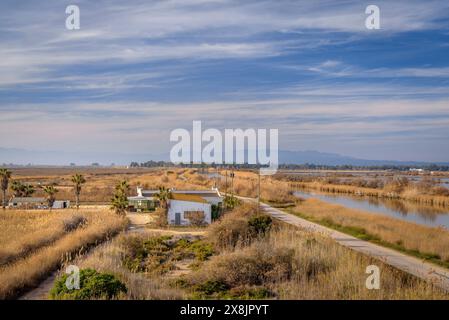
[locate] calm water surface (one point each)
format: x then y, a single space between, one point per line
404 210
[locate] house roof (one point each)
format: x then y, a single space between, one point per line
202 193
137 198
149 193
27 200
187 197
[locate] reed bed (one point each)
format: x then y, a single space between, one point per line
22 232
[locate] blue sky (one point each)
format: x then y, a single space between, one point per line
138 69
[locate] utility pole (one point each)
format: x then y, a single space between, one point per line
226 183
258 198
232 182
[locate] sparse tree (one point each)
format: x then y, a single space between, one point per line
163 195
17 188
119 201
78 180
50 191
5 175
28 190
21 190
230 202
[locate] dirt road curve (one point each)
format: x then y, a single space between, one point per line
424 270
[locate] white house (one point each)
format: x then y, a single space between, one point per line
187 207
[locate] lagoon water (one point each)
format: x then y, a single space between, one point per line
404 210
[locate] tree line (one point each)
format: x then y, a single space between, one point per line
20 189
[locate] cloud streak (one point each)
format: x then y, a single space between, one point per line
138 69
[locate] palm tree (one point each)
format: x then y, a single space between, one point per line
51 192
17 188
28 190
5 175
163 195
230 202
119 201
78 180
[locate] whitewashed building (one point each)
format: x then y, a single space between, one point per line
187 207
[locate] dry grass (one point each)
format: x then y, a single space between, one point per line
409 235
22 232
295 264
288 263
246 184
46 257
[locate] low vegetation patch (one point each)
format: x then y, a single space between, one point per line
159 254
93 285
238 228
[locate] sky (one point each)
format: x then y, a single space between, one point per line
136 70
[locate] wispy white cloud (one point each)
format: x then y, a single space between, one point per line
35 40
151 44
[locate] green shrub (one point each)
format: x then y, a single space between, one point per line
142 255
250 293
202 250
93 285
260 225
211 286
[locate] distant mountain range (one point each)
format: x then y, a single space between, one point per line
24 157
333 159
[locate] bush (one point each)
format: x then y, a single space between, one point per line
143 255
253 293
202 250
93 285
260 225
211 286
232 229
160 218
253 266
74 223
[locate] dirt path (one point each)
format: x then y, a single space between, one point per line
424 270
41 292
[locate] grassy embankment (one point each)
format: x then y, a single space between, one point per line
420 241
36 243
245 256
